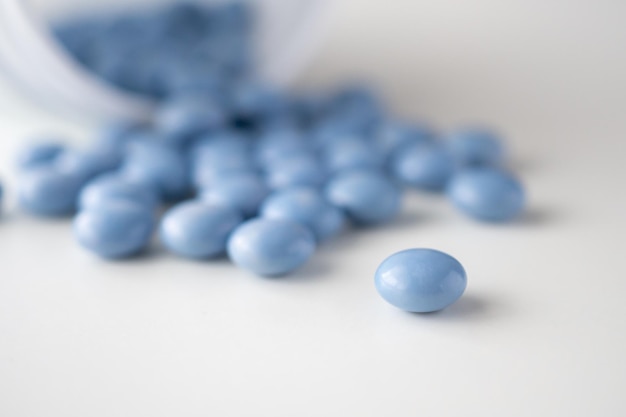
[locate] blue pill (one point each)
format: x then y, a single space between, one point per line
487 194
352 153
420 280
242 192
195 229
424 166
114 186
368 197
271 247
308 207
117 229
182 119
38 154
46 191
279 144
297 170
394 136
89 163
158 166
476 146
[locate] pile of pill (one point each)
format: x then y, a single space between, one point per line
229 165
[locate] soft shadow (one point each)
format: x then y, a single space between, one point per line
470 307
315 270
539 217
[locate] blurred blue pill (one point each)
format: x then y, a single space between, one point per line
242 192
90 162
116 135
308 207
487 194
476 146
115 186
353 153
368 197
195 229
296 170
158 166
420 280
38 154
46 191
182 119
271 247
116 229
257 101
424 166
278 144
393 136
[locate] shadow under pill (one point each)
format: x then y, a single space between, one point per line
469 307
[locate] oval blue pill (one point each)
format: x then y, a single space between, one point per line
271 247
46 191
243 192
115 187
196 229
39 153
487 194
423 166
117 229
368 197
298 170
420 280
476 146
308 207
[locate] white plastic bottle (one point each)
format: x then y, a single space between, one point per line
289 33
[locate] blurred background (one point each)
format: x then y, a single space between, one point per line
541 334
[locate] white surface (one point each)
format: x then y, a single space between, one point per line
540 331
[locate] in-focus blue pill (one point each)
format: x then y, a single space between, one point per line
46 191
368 197
242 192
195 229
487 194
420 280
423 166
115 186
116 229
308 207
158 166
271 247
476 146
38 154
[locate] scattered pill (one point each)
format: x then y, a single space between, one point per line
114 186
195 229
308 207
49 192
271 247
368 197
116 229
39 154
487 194
424 166
420 280
476 146
242 192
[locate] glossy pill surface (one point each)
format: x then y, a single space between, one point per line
420 280
46 191
114 186
195 229
487 194
368 197
423 166
308 207
243 192
117 229
271 247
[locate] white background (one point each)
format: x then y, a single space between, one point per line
540 331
